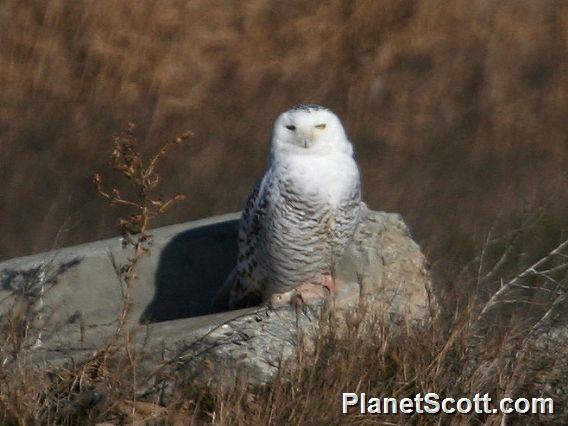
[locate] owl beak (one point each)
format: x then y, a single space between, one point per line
305 143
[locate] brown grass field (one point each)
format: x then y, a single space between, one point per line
458 111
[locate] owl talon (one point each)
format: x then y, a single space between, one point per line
281 299
328 282
305 294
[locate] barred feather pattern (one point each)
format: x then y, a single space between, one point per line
286 238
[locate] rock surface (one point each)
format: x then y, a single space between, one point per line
78 296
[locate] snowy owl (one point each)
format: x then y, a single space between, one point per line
300 216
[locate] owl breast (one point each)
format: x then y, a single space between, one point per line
330 179
311 216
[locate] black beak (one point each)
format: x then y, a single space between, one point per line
305 143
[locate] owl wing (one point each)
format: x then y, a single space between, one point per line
346 219
245 284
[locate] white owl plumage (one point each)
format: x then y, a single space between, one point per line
301 215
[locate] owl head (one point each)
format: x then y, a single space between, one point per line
309 130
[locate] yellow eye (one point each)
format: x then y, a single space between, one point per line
320 126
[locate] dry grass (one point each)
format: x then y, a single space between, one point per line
457 110
362 352
484 346
105 383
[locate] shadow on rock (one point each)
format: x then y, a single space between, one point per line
191 269
30 282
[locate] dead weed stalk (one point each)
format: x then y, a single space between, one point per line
145 205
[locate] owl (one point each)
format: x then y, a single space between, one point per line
300 217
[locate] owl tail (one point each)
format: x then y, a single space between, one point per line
233 295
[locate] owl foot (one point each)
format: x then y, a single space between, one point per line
328 281
307 293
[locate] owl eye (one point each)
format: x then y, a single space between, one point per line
320 126
291 127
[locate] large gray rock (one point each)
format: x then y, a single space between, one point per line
78 296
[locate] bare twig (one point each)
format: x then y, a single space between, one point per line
530 271
134 227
